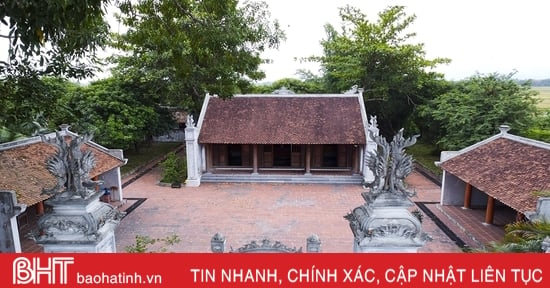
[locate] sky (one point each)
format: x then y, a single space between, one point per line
478 36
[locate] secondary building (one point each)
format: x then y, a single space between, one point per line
503 171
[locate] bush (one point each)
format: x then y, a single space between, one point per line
174 169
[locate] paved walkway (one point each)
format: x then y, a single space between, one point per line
285 212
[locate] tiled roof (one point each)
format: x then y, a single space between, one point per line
509 170
286 119
23 169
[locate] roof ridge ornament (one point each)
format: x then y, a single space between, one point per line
504 128
283 91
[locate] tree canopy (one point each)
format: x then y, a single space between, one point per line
474 109
195 47
381 58
58 37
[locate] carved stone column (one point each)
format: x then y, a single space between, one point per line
193 154
384 223
9 230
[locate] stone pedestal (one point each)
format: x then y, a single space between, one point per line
79 226
386 225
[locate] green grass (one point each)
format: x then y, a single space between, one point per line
544 96
425 155
146 155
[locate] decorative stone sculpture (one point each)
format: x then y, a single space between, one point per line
266 246
313 243
384 223
9 233
546 244
78 221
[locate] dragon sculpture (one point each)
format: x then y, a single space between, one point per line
71 166
390 166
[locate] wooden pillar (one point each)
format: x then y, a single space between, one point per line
209 157
468 196
490 212
308 159
355 159
40 208
255 159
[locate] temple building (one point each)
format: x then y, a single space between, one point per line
280 137
502 172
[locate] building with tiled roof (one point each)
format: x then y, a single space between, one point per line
285 134
23 170
503 170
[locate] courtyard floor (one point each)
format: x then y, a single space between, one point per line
288 213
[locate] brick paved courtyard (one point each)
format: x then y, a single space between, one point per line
252 211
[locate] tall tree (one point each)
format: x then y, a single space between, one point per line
118 116
380 57
474 109
44 38
195 47
55 37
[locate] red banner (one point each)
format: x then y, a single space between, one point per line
275 270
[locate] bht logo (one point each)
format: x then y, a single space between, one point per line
31 271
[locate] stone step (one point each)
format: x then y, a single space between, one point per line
301 179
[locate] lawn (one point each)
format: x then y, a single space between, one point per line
425 155
146 154
544 95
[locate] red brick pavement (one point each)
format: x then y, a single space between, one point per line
252 211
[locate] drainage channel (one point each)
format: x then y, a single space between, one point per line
133 207
440 224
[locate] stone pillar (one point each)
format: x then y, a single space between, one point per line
217 243
193 154
9 230
468 196
370 147
313 244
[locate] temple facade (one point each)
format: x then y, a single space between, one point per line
279 135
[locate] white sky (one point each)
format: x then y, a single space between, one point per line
478 36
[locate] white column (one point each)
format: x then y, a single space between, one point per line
193 156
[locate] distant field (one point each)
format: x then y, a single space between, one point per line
544 95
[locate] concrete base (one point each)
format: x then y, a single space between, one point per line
193 182
106 245
78 226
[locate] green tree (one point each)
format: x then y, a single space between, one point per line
474 109
55 37
26 105
44 38
196 46
117 117
304 86
173 169
380 57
